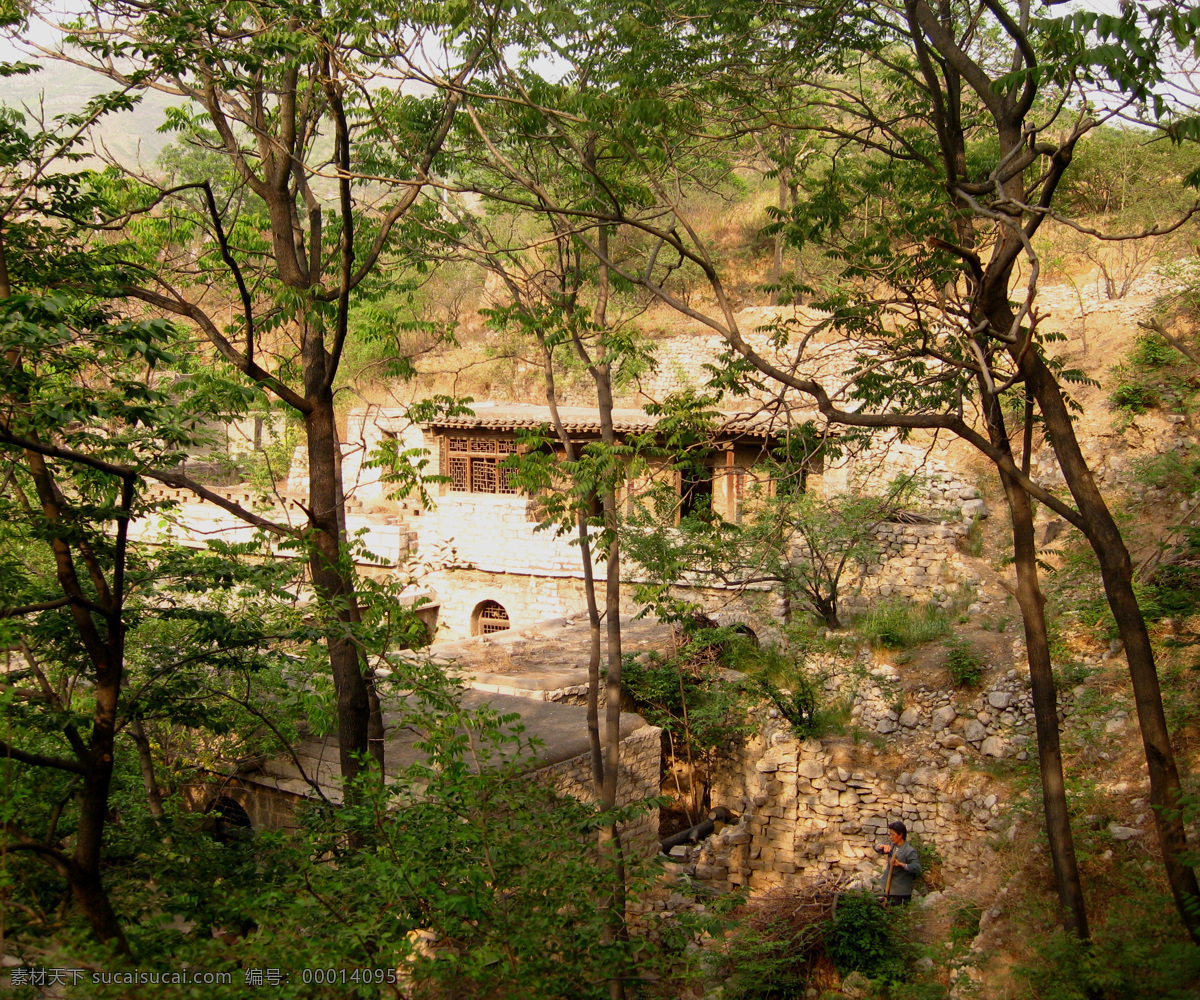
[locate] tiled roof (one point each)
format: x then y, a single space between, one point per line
626 420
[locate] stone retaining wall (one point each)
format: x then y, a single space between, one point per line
638 779
918 562
810 808
813 808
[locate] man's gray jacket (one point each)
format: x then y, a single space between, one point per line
902 878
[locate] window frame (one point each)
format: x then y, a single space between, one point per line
472 463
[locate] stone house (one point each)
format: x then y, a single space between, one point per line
487 564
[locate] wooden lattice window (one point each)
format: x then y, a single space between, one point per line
474 464
491 617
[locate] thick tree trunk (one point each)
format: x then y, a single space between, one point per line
375 729
83 873
331 579
1045 704
1116 570
89 893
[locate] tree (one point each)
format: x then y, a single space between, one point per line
940 119
293 228
84 406
565 309
800 543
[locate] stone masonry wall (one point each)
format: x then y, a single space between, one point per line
942 485
812 808
918 562
638 779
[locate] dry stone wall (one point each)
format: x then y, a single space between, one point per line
941 486
918 562
813 808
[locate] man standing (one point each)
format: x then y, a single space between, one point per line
903 866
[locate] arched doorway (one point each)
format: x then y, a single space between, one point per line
489 617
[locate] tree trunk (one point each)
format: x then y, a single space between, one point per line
1116 570
589 578
1045 704
146 763
375 729
777 262
610 839
84 870
89 893
331 579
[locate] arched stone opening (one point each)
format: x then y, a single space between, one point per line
747 633
489 617
228 820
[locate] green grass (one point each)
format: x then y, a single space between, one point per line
963 663
897 625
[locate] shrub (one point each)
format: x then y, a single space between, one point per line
759 967
897 625
860 938
1132 956
1154 375
964 665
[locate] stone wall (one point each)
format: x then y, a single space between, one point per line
638 779
530 599
942 485
268 808
918 562
810 808
813 808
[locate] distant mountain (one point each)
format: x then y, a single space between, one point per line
131 138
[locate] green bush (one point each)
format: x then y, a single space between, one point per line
1154 375
860 938
964 665
756 966
897 625
1130 958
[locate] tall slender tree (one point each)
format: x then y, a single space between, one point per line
294 223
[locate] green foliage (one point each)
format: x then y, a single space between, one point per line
807 545
1116 172
762 965
703 716
897 625
963 663
1135 953
1154 376
861 938
473 878
1070 674
964 922
800 704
